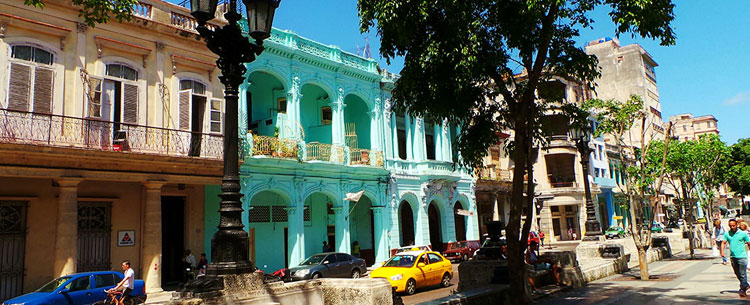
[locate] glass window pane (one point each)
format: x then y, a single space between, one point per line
186 85
129 73
215 127
113 70
42 56
199 88
215 116
21 52
216 105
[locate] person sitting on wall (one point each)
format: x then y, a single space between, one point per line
539 264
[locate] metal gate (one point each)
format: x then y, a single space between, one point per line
12 244
94 227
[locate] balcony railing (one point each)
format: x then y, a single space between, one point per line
142 10
64 131
490 173
187 22
274 147
564 184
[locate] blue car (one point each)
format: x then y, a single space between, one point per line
78 289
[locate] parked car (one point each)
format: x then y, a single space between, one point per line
80 289
406 271
414 248
491 249
615 232
461 250
329 265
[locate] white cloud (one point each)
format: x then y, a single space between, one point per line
739 99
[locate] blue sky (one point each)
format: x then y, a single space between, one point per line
706 72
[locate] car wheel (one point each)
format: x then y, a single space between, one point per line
446 281
465 258
316 275
411 286
355 274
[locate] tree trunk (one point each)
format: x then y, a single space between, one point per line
516 264
643 263
689 219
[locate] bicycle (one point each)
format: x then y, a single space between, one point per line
111 299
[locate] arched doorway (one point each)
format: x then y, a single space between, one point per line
265 105
436 232
406 222
361 228
317 114
357 122
321 225
268 222
460 222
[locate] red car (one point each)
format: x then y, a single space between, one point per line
461 250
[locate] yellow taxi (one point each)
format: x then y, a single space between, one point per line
408 270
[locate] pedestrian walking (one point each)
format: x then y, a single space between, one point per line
717 234
355 249
736 240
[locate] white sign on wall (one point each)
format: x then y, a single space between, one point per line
125 238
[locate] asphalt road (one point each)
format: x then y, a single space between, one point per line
434 292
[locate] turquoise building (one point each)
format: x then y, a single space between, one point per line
317 125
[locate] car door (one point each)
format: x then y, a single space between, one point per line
424 271
102 282
79 291
436 268
344 265
329 266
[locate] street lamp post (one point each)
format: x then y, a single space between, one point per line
229 246
582 138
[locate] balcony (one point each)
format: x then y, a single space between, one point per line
274 147
560 141
360 156
491 173
70 132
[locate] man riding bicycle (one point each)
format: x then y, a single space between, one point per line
128 282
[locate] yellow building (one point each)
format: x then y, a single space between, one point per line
104 132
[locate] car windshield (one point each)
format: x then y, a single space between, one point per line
460 245
613 229
401 261
52 285
313 260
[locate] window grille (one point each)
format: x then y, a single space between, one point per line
306 215
260 214
279 213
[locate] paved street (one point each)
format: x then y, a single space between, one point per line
433 292
677 281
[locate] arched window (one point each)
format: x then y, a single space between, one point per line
115 96
193 112
31 82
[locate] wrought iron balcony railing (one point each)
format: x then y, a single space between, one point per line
63 131
274 147
491 173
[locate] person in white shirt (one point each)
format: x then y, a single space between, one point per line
128 282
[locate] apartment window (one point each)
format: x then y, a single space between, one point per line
31 79
708 124
215 116
601 152
192 106
114 97
429 139
326 116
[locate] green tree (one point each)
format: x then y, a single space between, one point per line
739 173
462 60
643 168
695 170
94 12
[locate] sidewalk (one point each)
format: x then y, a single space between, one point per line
676 280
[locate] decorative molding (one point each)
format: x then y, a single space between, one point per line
81 27
120 46
159 46
3 28
37 26
191 62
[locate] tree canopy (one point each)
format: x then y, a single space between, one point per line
739 176
94 12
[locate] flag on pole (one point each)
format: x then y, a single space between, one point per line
354 196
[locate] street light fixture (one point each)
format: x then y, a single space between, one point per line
229 246
582 136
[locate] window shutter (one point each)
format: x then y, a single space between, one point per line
130 104
43 81
185 109
19 89
215 116
94 99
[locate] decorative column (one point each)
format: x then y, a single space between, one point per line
337 127
447 141
409 138
293 97
381 248
151 245
80 91
343 240
66 238
419 147
296 223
